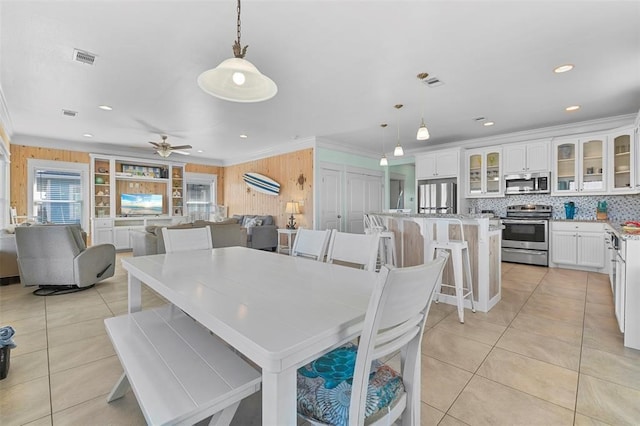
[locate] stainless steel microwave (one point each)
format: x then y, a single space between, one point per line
527 183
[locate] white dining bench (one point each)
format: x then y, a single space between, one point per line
180 373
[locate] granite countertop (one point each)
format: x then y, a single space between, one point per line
617 228
439 215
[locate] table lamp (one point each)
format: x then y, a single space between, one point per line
292 208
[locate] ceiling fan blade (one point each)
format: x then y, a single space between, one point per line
182 147
154 144
181 152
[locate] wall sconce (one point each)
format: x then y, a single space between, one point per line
301 181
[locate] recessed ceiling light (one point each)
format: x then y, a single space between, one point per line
243 136
88 135
572 108
488 123
563 68
199 150
105 107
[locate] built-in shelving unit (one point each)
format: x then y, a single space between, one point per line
151 191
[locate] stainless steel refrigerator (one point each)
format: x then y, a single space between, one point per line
438 196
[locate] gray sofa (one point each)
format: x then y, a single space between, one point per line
223 234
262 234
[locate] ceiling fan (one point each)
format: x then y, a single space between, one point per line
164 148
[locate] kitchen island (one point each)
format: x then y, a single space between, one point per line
415 232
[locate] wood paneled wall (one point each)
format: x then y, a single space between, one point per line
232 191
212 170
19 156
284 169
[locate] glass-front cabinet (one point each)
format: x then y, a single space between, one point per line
580 165
621 164
484 172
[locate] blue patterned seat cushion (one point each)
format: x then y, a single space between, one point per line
324 387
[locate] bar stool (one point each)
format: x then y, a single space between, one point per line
387 249
460 260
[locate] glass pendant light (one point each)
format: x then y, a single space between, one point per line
423 132
383 160
398 151
237 79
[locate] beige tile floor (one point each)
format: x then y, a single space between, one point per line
549 353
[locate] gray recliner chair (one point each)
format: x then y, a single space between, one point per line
56 258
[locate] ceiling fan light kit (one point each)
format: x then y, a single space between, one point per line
164 148
236 79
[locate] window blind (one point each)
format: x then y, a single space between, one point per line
57 196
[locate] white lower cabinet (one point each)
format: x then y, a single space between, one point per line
116 231
101 231
580 245
121 236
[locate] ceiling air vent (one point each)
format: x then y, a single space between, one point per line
69 113
83 57
433 82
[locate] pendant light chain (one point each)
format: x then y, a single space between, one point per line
238 50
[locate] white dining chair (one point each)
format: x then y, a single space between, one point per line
185 239
311 244
379 395
358 250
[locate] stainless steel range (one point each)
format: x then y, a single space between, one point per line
525 237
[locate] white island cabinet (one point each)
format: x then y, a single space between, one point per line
413 237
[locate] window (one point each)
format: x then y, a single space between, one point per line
200 197
58 192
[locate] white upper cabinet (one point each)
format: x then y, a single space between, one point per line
526 158
580 165
622 152
484 172
439 164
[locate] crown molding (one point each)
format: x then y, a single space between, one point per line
106 149
284 148
564 130
337 146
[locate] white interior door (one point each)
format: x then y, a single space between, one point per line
364 195
330 201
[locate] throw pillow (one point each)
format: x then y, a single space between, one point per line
251 222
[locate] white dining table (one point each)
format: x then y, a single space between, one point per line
280 312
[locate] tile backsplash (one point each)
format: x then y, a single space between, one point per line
619 207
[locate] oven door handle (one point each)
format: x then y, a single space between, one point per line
511 250
517 222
